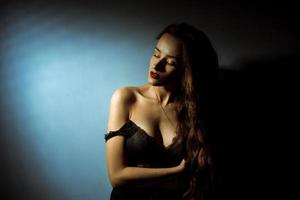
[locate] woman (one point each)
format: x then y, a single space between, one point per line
156 146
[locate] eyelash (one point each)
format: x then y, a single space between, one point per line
170 63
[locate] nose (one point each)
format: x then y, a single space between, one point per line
159 66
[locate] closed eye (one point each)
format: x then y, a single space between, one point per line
156 53
173 63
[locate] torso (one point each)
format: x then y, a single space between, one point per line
147 113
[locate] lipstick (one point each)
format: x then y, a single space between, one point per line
154 75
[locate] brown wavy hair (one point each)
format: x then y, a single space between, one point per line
193 103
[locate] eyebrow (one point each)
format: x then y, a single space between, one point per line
167 55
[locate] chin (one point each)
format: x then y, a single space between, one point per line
154 82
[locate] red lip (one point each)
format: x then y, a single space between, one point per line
154 75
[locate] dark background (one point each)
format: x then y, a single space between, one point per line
258 47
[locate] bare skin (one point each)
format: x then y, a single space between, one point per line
142 105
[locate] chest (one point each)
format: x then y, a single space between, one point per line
159 123
142 150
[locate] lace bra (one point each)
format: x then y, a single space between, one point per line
141 149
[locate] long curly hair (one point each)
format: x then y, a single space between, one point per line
200 68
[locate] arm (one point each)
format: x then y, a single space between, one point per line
171 181
118 172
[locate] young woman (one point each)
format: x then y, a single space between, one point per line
156 146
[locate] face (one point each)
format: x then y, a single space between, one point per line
165 61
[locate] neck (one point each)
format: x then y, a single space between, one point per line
164 94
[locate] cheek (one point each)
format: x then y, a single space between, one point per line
152 60
172 69
172 72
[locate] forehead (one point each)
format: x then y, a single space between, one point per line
169 45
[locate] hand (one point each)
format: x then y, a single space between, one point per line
181 166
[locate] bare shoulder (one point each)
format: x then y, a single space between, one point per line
121 104
124 95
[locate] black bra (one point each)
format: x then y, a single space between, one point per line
143 149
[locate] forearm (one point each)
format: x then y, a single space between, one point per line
131 175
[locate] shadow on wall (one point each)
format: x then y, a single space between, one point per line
252 126
20 174
17 181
